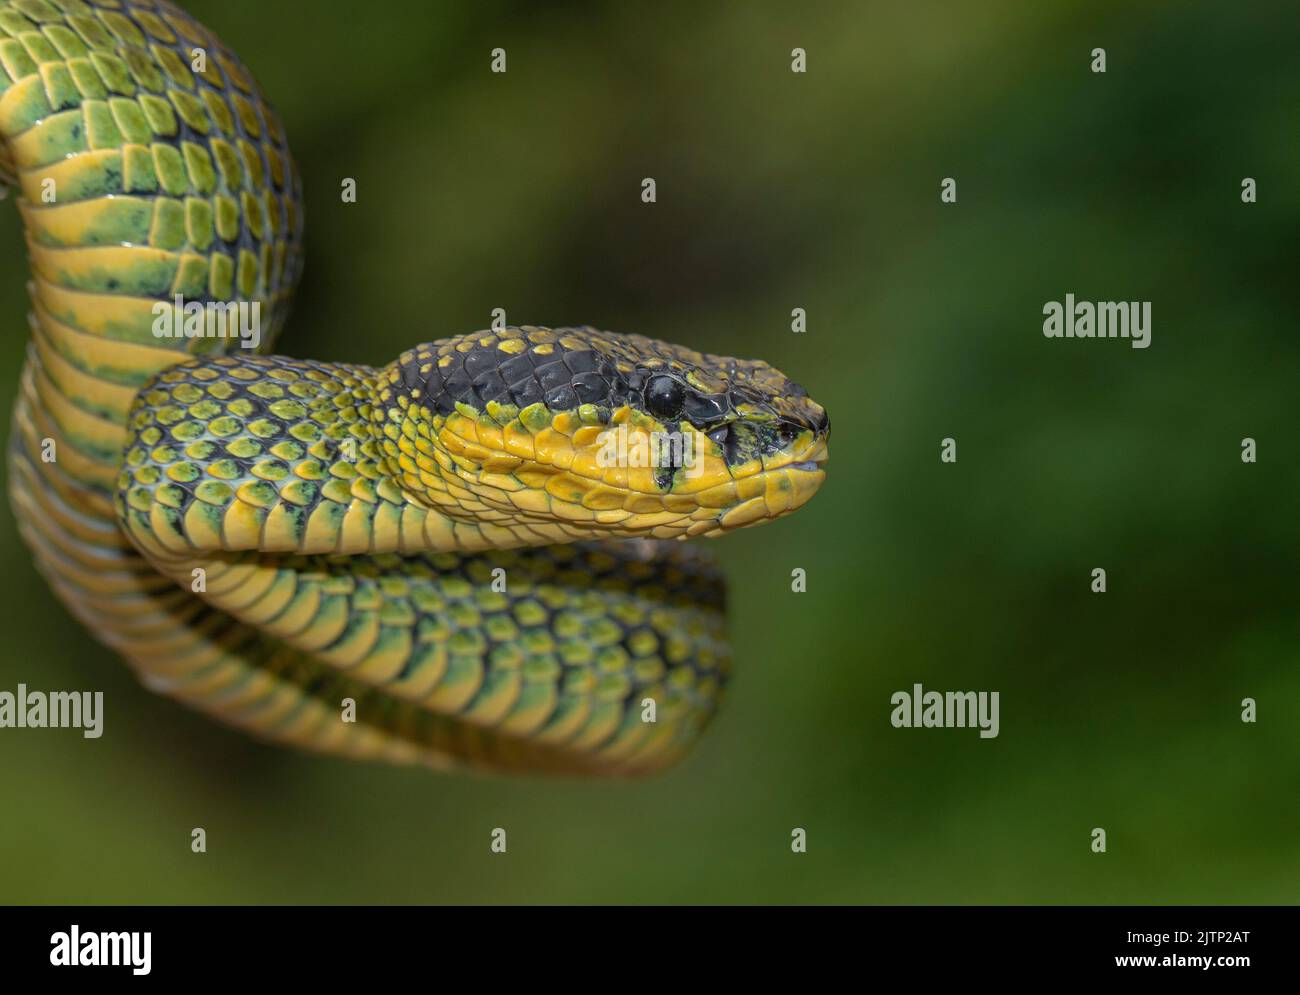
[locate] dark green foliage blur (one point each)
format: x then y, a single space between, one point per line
819 191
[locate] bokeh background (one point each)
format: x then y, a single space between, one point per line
819 191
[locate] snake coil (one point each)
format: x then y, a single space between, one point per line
432 561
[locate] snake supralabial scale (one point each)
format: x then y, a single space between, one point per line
468 543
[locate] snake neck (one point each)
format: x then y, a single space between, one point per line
289 456
278 455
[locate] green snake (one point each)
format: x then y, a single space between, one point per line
443 560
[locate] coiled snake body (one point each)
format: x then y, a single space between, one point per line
443 540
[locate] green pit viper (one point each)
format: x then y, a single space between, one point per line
434 561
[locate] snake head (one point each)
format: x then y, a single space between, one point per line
579 433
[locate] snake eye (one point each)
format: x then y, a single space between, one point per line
664 397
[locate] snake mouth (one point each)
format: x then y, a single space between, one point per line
810 458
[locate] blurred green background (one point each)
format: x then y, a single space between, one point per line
819 191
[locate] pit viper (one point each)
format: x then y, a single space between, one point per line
442 560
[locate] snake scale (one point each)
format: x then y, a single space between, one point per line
432 561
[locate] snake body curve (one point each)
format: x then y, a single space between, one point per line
431 561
